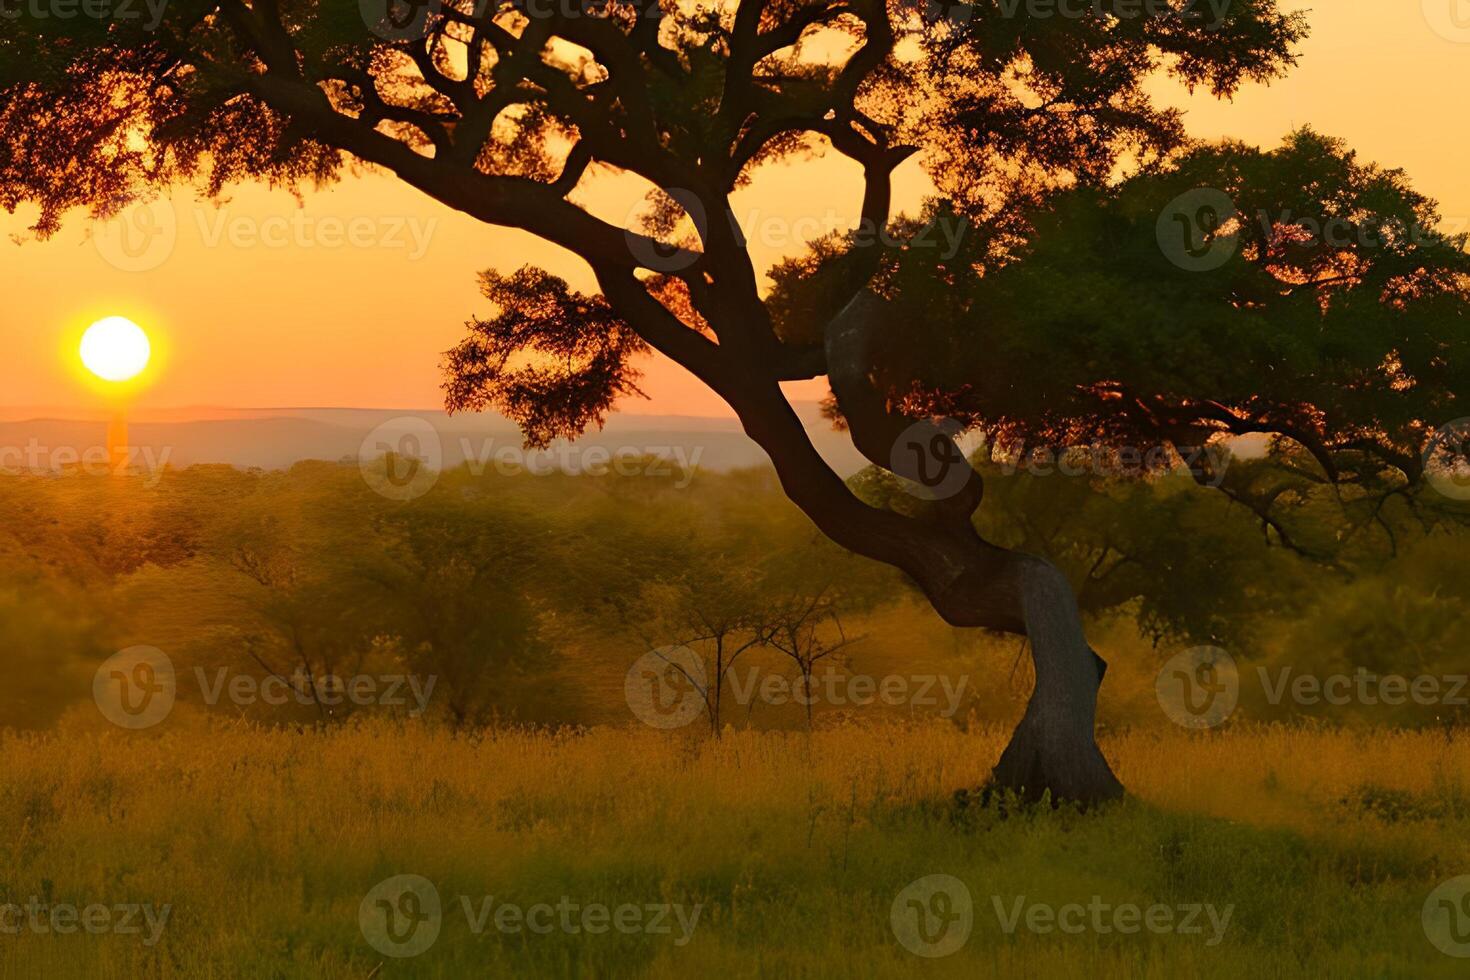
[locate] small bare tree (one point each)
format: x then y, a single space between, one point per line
720 616
808 629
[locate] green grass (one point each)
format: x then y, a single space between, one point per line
1325 846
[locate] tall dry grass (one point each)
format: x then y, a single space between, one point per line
264 843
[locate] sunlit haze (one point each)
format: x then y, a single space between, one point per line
350 299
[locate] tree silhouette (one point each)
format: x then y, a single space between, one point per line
502 110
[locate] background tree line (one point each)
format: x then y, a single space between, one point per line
528 597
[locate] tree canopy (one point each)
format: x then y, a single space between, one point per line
502 110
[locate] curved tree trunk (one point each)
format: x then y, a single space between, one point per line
1053 749
968 580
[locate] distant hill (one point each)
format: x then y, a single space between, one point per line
276 438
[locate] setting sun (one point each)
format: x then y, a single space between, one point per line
115 349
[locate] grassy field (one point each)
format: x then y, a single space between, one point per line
267 846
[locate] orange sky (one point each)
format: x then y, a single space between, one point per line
350 299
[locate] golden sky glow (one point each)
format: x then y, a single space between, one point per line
349 300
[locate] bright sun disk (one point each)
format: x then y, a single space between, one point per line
115 349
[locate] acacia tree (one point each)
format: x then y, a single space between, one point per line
808 630
716 612
303 623
1297 294
448 576
503 110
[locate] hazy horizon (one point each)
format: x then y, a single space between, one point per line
44 439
